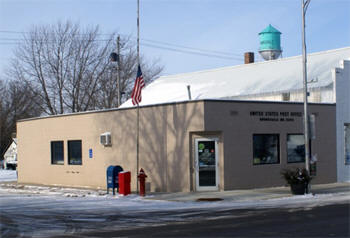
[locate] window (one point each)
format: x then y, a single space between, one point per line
74 152
347 143
265 149
295 148
57 152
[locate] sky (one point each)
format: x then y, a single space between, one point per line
187 35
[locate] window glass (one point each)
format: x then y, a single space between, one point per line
74 152
57 152
347 143
295 148
265 149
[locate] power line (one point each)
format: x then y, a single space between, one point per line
27 32
147 43
16 39
46 41
149 40
14 32
144 39
192 48
190 52
9 43
163 48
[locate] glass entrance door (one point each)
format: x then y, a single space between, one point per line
206 162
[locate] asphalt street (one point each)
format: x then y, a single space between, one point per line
57 220
325 221
29 211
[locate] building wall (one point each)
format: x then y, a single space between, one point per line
341 78
337 92
166 150
164 146
237 126
317 95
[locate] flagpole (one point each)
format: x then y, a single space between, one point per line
138 108
137 147
138 32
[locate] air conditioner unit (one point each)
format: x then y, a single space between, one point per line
105 139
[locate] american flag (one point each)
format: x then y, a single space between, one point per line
139 84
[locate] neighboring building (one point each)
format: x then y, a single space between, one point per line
10 156
184 146
341 78
275 80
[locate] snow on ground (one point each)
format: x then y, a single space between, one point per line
49 211
8 175
100 198
79 201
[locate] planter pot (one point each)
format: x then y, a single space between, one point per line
299 189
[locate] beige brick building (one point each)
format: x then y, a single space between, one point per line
184 146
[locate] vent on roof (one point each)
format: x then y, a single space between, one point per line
189 92
286 96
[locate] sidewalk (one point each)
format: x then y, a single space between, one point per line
248 194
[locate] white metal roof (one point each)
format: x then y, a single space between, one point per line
261 77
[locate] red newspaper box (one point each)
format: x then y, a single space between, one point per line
124 182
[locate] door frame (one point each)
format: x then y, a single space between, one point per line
196 165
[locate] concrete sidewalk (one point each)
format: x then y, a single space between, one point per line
247 194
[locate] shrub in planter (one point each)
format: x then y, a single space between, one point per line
298 179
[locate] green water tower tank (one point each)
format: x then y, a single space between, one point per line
270 43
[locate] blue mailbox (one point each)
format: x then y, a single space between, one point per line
112 177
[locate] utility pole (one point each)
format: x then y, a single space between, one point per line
118 70
115 61
304 5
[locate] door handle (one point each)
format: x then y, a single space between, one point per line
196 166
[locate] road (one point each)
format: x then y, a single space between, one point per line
28 215
325 221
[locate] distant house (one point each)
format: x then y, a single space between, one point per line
10 156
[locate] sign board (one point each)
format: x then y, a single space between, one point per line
276 116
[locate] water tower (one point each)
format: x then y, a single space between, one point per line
270 43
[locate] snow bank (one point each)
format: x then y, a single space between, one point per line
107 212
8 175
101 200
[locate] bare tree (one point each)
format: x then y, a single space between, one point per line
2 119
69 67
16 102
